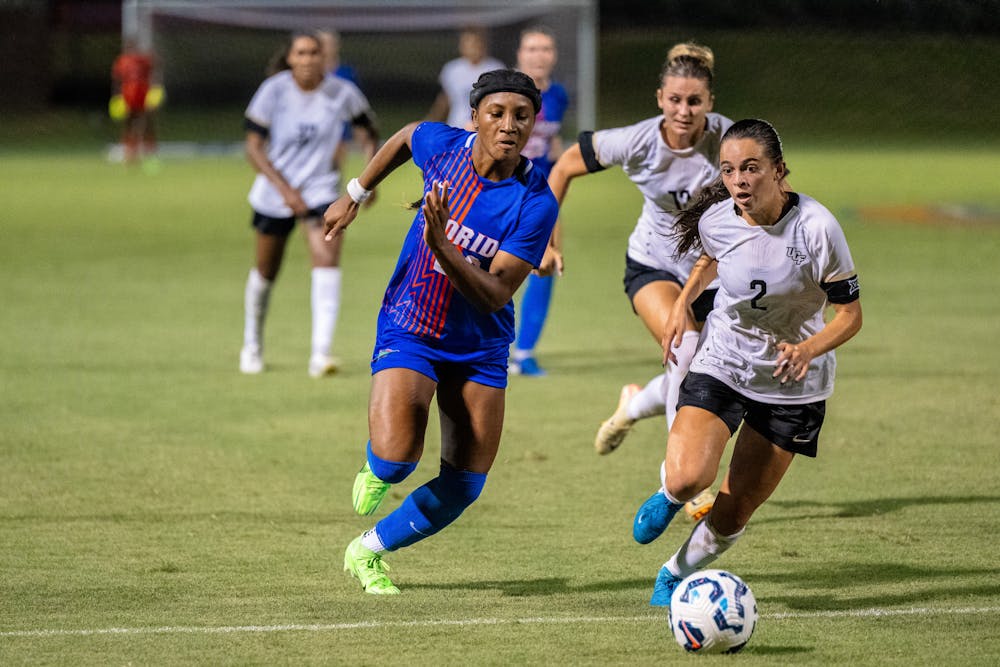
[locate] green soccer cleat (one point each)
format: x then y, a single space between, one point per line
369 491
367 567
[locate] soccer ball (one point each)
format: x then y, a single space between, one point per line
712 611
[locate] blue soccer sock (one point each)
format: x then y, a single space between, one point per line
431 507
392 472
534 310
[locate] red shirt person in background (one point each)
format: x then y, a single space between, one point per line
132 74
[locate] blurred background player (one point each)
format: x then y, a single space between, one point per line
447 321
294 123
768 361
670 158
458 75
536 57
330 40
132 79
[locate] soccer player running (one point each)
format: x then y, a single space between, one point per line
536 57
670 158
447 321
294 124
767 361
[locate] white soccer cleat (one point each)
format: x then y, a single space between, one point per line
613 430
251 361
700 505
321 365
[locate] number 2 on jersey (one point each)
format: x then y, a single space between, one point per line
758 285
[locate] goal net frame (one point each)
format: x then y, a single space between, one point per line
573 21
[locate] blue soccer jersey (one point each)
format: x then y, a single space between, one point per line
548 122
515 215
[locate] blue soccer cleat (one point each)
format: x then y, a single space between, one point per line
663 590
530 368
653 518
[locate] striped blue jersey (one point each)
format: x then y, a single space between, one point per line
515 215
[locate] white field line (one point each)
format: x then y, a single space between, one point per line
377 625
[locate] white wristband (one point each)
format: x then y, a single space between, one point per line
358 193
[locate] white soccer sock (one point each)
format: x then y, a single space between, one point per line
702 547
676 372
370 540
325 307
649 401
255 298
520 355
663 486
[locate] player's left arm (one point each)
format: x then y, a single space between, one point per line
793 358
488 291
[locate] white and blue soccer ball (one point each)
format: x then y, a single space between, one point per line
713 611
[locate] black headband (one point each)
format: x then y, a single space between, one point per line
505 81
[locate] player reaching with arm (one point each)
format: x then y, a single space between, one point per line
294 125
447 321
670 158
767 362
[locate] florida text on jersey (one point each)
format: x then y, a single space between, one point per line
515 215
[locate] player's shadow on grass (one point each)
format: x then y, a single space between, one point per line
863 508
542 587
860 586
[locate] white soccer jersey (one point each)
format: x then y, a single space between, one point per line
771 291
304 129
668 179
457 77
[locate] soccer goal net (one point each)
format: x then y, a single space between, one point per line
214 53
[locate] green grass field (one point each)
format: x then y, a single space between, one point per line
156 507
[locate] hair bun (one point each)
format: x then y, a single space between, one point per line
692 50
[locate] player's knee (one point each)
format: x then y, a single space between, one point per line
392 472
450 493
685 485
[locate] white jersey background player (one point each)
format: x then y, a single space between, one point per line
668 178
669 158
458 75
301 127
294 124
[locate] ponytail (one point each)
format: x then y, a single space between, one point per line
686 223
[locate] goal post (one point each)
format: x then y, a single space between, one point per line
215 51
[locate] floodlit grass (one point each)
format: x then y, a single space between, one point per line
146 485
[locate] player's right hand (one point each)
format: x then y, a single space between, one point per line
293 199
339 216
552 262
673 331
